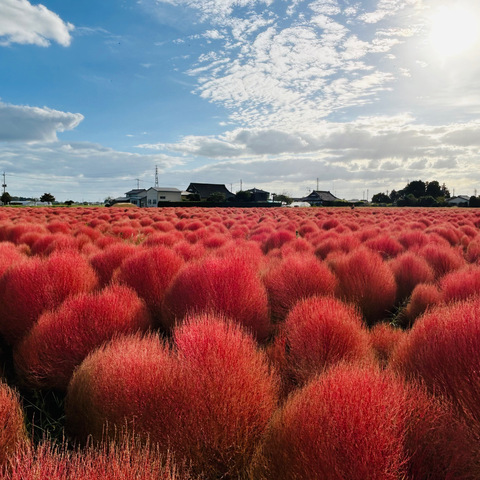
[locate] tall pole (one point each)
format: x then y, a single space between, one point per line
241 188
4 183
156 175
317 183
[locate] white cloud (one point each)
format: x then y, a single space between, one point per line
24 23
34 124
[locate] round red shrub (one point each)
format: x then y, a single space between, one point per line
346 424
233 395
296 277
443 350
35 285
409 270
109 259
423 296
385 245
150 272
442 259
366 280
461 284
12 429
227 286
61 339
207 403
318 333
9 256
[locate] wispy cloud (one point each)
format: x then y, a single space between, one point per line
24 23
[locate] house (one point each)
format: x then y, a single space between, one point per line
137 197
319 197
206 190
257 195
162 194
458 201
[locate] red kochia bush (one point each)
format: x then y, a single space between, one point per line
12 430
150 272
208 403
35 285
62 338
366 280
228 286
424 295
461 284
443 349
9 256
296 277
106 261
346 424
384 339
409 270
442 259
232 395
320 332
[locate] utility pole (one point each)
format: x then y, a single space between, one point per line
241 188
317 184
4 183
138 184
156 175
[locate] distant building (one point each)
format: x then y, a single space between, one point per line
137 197
162 194
459 201
257 195
206 190
319 197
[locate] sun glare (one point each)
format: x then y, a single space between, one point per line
454 30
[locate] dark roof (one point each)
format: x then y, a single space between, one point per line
137 191
257 190
164 189
320 195
207 189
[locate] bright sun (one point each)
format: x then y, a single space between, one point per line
454 30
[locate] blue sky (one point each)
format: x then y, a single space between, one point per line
365 96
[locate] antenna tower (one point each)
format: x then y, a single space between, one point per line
4 183
156 175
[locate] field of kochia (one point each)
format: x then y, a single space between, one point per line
189 343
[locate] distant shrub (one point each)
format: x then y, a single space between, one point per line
62 338
227 286
318 333
296 277
150 272
385 245
35 285
366 280
277 239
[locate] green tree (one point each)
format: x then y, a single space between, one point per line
69 202
417 188
47 197
380 198
474 201
216 197
284 198
427 201
6 198
243 196
433 189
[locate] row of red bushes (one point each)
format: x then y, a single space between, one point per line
250 343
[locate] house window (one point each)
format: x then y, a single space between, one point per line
162 197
